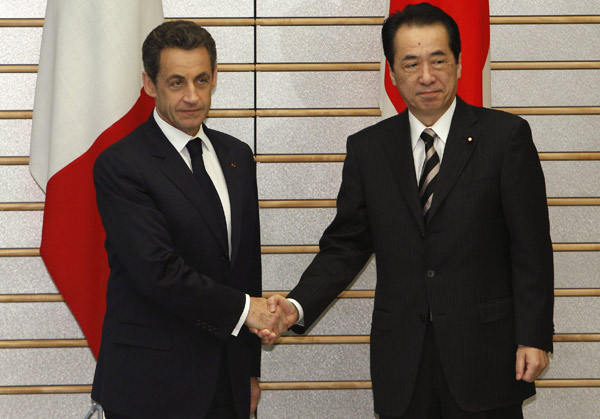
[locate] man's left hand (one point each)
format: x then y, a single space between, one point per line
254 394
530 363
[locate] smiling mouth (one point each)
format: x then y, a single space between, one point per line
190 111
429 93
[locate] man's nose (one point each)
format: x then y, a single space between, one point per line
191 95
427 76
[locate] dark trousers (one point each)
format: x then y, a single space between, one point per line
222 405
432 398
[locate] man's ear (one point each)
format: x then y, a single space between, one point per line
149 86
392 75
214 78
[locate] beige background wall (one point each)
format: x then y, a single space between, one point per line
294 89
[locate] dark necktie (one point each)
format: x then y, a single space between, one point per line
194 147
430 171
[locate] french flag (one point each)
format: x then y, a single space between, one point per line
87 97
473 19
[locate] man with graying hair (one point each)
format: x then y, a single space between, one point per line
451 199
179 204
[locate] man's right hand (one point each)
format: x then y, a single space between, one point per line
271 322
278 304
289 309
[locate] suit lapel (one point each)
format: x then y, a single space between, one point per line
234 187
173 166
398 149
461 142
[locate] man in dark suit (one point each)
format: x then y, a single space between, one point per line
179 205
458 221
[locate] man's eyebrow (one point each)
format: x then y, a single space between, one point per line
181 77
409 57
438 53
175 77
433 54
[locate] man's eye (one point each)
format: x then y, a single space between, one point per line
410 67
176 83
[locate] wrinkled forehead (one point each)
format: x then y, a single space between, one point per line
413 38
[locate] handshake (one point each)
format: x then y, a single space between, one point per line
269 319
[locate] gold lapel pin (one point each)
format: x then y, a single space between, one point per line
470 139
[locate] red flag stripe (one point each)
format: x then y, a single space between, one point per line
72 234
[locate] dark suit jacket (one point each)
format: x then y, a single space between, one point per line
482 265
174 295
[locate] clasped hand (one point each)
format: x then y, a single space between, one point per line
269 319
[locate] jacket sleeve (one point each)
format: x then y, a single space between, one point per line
141 248
526 212
344 247
255 267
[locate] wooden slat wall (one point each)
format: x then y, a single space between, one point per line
305 343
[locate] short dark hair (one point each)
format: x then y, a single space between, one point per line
182 34
422 14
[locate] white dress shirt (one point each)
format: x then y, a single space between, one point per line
179 140
442 129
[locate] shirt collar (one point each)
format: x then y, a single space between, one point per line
441 127
178 138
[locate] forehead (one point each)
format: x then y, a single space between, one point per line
181 61
418 40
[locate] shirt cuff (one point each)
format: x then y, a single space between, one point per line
240 323
300 321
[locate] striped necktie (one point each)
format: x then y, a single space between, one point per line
430 171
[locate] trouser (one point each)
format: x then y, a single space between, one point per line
432 398
222 405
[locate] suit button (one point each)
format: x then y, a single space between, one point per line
430 273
